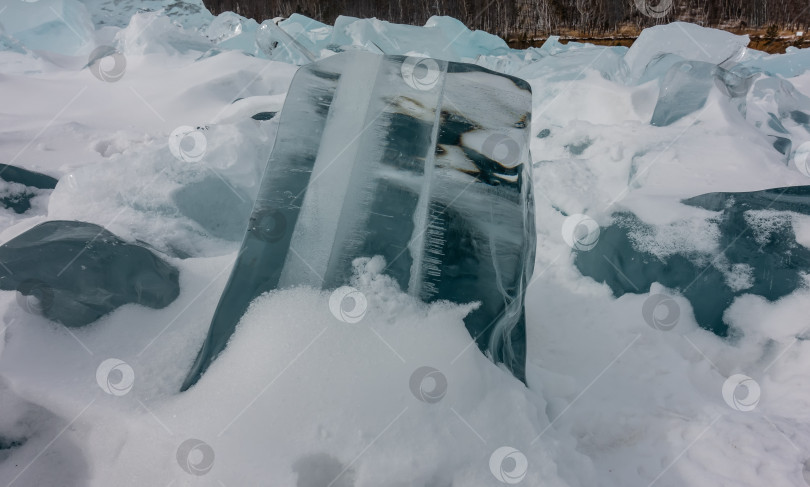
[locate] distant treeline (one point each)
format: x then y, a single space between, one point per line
532 18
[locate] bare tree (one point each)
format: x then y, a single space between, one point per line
533 18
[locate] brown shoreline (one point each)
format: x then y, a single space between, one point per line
759 41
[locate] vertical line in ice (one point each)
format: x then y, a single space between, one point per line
317 226
421 217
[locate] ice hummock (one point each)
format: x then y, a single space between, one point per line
300 40
58 26
756 253
75 272
685 41
434 179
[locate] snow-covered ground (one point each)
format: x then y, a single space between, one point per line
90 93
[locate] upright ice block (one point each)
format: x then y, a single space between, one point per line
422 161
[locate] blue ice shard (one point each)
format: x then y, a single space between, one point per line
219 208
422 161
75 272
684 90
